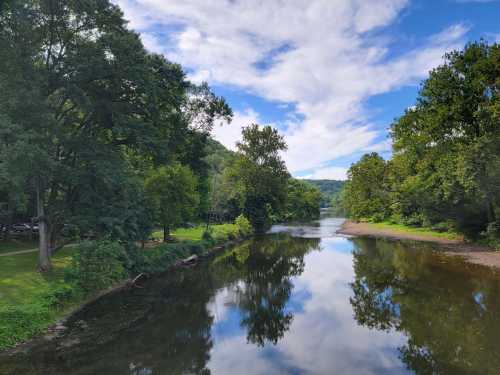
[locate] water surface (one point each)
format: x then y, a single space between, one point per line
298 301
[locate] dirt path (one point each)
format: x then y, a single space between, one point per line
18 252
472 253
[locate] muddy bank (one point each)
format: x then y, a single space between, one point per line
472 253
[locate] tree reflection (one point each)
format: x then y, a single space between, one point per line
166 327
447 309
266 267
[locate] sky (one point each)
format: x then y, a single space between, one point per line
330 75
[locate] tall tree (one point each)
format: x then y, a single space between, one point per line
365 190
85 105
260 175
173 196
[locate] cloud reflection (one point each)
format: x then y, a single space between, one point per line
323 338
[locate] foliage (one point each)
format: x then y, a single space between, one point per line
259 175
445 169
85 113
97 265
302 202
19 322
329 190
244 226
365 190
172 195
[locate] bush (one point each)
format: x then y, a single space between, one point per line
378 217
244 227
18 323
97 265
493 234
442 227
207 235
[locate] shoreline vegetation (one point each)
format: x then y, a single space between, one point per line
34 304
444 169
453 244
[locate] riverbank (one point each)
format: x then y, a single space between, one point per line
451 243
32 304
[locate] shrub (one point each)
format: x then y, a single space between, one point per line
244 227
97 265
493 234
207 235
441 227
378 217
18 323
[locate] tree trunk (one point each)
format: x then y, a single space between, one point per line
166 233
44 263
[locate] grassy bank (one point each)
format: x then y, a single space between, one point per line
399 231
425 232
30 301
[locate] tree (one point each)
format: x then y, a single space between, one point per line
450 141
303 201
173 196
366 190
260 175
85 109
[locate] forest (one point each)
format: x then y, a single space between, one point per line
444 172
101 139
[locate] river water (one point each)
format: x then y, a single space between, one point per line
301 300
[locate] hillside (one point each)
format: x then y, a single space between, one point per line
329 189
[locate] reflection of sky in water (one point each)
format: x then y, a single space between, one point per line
323 338
324 228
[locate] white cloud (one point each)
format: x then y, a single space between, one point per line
324 337
328 173
323 58
230 134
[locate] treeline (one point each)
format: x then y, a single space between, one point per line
101 139
445 168
329 189
256 182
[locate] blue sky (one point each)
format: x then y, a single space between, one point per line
331 75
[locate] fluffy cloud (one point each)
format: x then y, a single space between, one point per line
325 57
323 338
328 173
230 135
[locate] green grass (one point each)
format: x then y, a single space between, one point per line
219 232
25 306
425 232
19 280
17 245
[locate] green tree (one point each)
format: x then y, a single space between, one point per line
173 196
450 142
84 108
303 201
259 175
366 190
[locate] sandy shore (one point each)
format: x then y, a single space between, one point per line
472 253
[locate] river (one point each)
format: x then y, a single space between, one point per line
300 300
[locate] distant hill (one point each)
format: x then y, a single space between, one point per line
328 188
218 156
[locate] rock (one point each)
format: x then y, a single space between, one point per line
191 260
